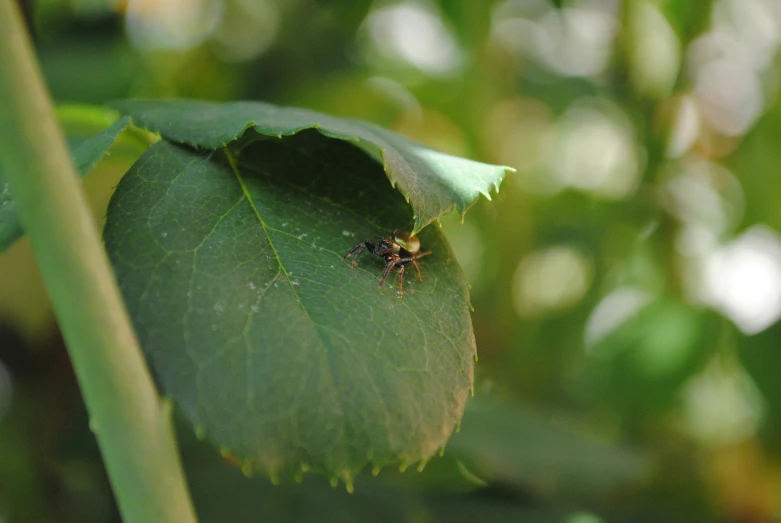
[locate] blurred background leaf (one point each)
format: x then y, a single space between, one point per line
86 152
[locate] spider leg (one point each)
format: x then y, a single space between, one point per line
401 281
357 250
417 268
415 263
388 267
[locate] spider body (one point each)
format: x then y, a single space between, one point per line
398 250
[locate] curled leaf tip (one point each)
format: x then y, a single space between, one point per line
247 469
348 485
273 477
230 458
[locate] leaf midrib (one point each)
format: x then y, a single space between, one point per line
343 208
283 270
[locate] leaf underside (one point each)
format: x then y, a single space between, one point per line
433 183
274 350
85 153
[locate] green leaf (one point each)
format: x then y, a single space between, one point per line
91 151
433 183
517 446
282 356
83 121
86 154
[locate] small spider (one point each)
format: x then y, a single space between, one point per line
397 250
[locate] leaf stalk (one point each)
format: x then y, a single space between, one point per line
131 422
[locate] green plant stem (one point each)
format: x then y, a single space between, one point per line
132 423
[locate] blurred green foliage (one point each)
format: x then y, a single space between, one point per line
626 281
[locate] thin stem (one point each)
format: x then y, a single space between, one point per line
132 424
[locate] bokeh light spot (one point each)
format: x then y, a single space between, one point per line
584 517
613 311
722 404
247 29
693 199
730 96
411 32
685 128
551 279
743 279
519 132
655 54
173 24
595 150
571 41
